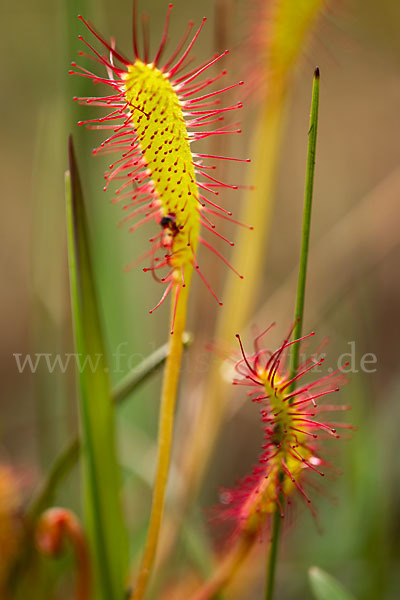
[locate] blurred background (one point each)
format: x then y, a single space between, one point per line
353 295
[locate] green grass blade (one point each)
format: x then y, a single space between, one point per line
101 476
326 587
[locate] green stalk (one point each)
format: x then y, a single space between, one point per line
299 310
305 238
165 435
272 555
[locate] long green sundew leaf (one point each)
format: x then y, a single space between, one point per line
106 532
326 587
158 110
68 458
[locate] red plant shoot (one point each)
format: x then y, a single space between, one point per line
54 527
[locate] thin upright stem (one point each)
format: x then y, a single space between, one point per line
273 554
299 310
305 238
165 433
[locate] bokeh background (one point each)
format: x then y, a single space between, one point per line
353 295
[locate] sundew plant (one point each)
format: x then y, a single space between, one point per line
202 428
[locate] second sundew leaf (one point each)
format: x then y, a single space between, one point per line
106 531
293 415
156 114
